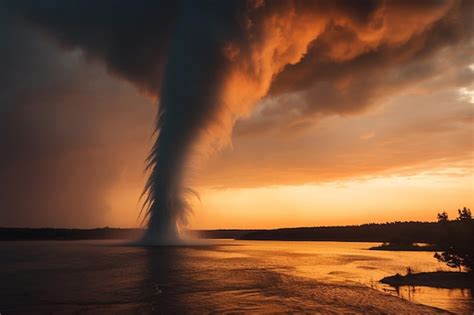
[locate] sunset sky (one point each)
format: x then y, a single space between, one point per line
364 124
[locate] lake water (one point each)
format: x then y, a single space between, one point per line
220 276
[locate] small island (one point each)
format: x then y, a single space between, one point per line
407 247
438 279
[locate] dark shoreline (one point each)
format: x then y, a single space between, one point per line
438 279
50 234
395 232
407 247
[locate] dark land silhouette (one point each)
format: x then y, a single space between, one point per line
438 279
394 233
43 234
454 246
411 247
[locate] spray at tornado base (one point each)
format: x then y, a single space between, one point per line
210 62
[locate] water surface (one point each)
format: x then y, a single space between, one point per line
223 276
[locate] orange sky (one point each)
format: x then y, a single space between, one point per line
406 158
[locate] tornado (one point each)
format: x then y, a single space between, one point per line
189 98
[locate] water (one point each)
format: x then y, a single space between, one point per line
223 276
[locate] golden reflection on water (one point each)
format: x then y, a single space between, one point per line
340 262
453 300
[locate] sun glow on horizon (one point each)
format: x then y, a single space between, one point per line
416 196
344 202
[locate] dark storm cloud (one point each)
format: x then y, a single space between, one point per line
338 76
57 158
210 62
131 39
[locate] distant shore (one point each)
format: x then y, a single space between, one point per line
45 234
438 279
410 247
395 232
